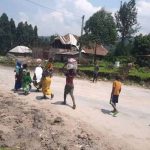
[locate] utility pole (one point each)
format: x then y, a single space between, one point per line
80 47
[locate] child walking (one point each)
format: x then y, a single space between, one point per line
26 79
116 89
26 82
69 87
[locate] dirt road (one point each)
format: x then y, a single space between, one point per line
129 130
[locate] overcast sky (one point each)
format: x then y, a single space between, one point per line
64 16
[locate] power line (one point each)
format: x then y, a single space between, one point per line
38 4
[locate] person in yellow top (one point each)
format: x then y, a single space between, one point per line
47 79
116 89
49 65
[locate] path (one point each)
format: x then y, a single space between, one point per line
129 130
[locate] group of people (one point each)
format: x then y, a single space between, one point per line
43 77
22 78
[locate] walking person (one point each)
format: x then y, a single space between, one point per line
26 80
38 75
116 89
69 87
18 76
49 65
47 79
46 83
95 73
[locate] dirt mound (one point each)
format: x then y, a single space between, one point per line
25 127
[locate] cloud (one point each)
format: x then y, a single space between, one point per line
65 16
23 17
143 7
85 6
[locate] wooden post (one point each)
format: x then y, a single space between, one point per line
95 52
80 47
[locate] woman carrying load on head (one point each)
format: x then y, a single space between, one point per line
47 79
49 64
18 76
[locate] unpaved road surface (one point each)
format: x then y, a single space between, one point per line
130 130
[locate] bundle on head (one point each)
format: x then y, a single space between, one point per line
72 64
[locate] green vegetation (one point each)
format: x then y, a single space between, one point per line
108 69
12 35
141 73
58 65
3 148
7 61
100 29
126 19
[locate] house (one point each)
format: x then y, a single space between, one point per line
21 51
65 47
100 51
68 41
63 56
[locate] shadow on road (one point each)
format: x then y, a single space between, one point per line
40 98
105 111
61 103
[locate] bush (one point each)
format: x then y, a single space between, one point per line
140 74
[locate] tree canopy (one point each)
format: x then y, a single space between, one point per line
126 19
100 28
12 35
142 49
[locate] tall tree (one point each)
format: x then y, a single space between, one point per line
30 35
19 33
142 49
99 29
5 33
13 32
25 34
35 30
126 19
11 36
52 38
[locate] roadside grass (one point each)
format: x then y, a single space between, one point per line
142 73
3 148
106 68
58 65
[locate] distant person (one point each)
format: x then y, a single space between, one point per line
116 89
69 87
47 79
95 72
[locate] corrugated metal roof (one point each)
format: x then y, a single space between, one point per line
68 39
21 49
68 53
101 51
